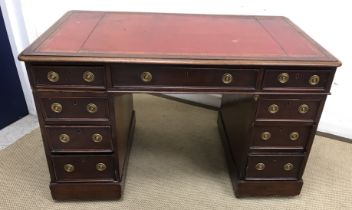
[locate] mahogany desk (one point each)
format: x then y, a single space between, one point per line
83 70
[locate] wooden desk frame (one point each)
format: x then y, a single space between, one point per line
271 105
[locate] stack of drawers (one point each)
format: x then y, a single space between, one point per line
268 120
270 147
85 146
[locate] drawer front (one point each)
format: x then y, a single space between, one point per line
92 77
125 75
298 79
79 138
83 168
75 108
239 78
135 75
289 108
283 136
273 166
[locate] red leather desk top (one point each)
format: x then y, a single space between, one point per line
153 37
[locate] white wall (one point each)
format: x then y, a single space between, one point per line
326 21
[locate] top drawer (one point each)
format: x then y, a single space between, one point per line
164 77
91 77
313 80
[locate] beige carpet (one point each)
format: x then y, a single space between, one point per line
177 162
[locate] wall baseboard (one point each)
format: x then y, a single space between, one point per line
335 137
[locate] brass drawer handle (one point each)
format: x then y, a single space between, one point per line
146 76
56 107
288 166
88 76
100 166
314 80
53 76
69 168
260 166
304 108
265 135
273 108
97 137
283 78
92 108
64 138
294 136
227 78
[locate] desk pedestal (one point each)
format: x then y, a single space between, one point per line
243 188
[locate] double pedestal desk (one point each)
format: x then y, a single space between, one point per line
273 78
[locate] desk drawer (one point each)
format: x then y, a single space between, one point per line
83 168
92 77
319 80
274 166
237 78
79 138
289 107
281 135
137 75
146 75
73 109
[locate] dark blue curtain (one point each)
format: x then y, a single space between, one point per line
12 103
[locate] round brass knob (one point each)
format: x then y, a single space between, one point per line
314 80
56 107
265 135
69 168
146 76
260 166
100 166
53 76
288 166
88 76
92 108
273 108
97 137
283 78
294 136
64 138
227 78
304 108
